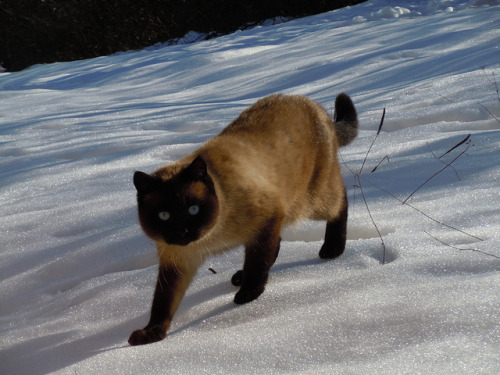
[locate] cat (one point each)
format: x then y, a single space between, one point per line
273 165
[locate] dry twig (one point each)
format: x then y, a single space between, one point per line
442 169
358 185
358 177
459 248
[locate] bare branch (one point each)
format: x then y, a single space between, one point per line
451 166
385 157
358 177
435 174
459 248
487 110
444 97
492 81
373 221
457 145
420 211
374 139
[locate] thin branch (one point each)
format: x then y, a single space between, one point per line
487 110
373 221
374 139
443 162
444 97
493 82
457 145
459 248
421 212
435 174
358 177
385 157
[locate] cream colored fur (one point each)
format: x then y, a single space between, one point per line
278 159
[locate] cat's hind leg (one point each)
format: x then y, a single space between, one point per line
335 235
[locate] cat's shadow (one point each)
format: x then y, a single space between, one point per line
225 288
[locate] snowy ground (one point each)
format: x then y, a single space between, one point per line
77 275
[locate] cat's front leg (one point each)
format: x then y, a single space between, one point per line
237 278
260 255
170 288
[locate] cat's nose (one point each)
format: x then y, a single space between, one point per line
182 232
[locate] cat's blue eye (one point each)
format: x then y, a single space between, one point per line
193 210
164 215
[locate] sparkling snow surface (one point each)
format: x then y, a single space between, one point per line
77 274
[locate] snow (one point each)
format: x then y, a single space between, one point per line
77 274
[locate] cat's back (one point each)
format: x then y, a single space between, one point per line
282 150
275 134
279 129
281 115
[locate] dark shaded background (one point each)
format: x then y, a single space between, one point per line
44 31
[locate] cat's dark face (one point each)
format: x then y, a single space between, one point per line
179 210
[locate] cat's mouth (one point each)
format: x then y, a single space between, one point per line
179 242
181 238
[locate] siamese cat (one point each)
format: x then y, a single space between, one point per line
273 165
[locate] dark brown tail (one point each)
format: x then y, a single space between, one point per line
345 119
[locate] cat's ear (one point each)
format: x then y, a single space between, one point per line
144 182
197 170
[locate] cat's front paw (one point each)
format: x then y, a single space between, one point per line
330 253
147 336
247 295
237 278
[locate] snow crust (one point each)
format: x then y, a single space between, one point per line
77 274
